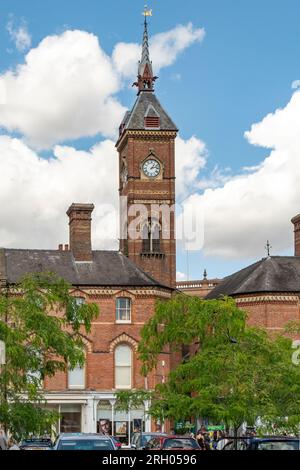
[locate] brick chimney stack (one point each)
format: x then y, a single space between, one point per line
296 222
80 217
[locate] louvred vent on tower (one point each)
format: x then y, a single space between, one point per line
152 119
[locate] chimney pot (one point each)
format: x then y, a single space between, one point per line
80 218
296 222
60 247
66 247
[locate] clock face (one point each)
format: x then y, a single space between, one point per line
151 168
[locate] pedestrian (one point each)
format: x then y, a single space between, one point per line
3 440
12 444
223 441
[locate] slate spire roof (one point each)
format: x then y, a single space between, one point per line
279 274
147 105
145 60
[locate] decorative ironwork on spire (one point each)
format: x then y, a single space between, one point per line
146 78
268 248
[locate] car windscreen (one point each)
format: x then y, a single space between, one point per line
146 438
85 444
180 443
278 445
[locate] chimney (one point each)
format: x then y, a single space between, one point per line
296 222
80 217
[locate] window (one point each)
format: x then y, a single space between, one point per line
123 366
79 301
123 310
151 236
76 378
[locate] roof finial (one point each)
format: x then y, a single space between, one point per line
268 248
205 274
145 72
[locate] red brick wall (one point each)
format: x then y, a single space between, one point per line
271 314
144 191
99 357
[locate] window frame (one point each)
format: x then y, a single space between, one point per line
77 387
116 366
119 309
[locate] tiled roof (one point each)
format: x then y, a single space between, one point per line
108 268
272 274
135 120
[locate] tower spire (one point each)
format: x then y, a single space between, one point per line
146 78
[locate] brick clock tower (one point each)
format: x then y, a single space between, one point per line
146 148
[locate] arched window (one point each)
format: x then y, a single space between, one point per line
123 367
123 310
151 236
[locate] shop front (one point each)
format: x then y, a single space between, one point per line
96 413
120 423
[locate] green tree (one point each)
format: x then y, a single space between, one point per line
42 327
236 374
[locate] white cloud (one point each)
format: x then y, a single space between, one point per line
66 88
19 34
35 193
295 84
181 276
191 157
63 91
255 206
164 49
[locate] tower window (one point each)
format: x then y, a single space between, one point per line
151 236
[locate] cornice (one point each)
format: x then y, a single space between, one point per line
268 298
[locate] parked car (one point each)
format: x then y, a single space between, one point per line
36 444
172 442
81 441
275 443
140 439
118 444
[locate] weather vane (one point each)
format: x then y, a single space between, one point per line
268 248
147 11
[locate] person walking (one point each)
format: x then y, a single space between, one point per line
3 440
12 444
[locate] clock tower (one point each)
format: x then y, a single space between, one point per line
146 148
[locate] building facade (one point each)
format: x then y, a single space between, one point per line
268 290
126 284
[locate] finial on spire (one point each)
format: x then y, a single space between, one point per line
268 248
205 275
146 78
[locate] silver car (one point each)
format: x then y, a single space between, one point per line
81 441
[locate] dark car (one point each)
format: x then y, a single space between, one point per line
81 441
172 442
36 444
139 440
274 443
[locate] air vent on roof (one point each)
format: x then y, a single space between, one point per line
152 121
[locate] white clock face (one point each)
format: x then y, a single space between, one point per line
151 168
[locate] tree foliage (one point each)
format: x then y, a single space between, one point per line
43 329
236 374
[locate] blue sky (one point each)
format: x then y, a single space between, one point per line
216 89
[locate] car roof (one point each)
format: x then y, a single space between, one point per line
82 436
277 438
